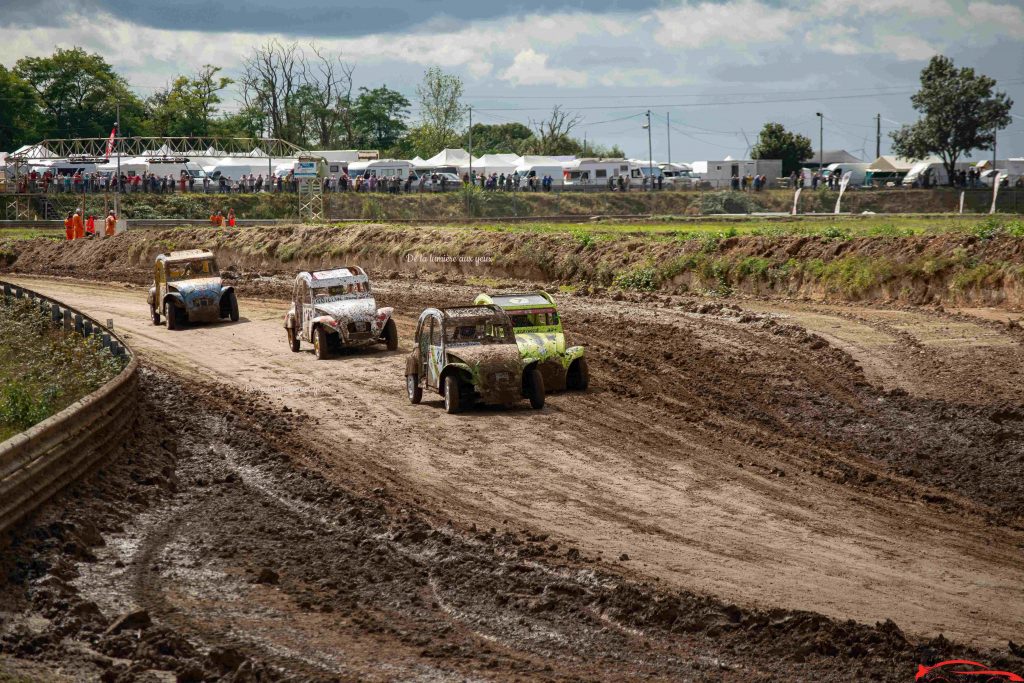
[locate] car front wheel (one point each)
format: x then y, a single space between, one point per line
172 316
321 346
535 388
293 341
156 315
233 307
578 377
413 388
451 394
391 335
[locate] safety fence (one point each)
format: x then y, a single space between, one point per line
39 462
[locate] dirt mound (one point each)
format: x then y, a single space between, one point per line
949 268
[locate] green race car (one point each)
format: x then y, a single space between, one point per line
539 336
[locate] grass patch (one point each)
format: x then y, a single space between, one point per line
42 369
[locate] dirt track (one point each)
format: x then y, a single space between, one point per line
737 456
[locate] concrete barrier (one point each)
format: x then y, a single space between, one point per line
39 462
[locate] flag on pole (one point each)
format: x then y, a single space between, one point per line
110 141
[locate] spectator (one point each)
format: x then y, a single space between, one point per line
110 229
231 217
79 227
69 227
90 226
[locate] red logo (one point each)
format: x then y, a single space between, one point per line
954 670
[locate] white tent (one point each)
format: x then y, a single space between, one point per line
497 163
458 158
34 152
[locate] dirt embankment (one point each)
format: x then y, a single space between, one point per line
206 549
984 269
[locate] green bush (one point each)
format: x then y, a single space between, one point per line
727 202
644 279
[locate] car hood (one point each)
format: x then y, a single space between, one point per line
349 309
486 355
194 289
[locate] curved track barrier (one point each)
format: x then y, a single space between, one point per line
39 462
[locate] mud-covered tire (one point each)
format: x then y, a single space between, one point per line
172 316
233 307
391 335
293 341
452 395
321 345
535 388
578 376
413 389
155 314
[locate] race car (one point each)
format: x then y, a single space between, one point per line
539 335
335 308
187 288
469 354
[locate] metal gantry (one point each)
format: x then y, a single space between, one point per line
311 200
192 147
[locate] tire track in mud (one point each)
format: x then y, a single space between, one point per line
736 467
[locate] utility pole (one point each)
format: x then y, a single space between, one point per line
471 144
878 135
117 144
650 152
995 131
821 140
584 144
668 133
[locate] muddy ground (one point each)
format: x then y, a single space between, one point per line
746 490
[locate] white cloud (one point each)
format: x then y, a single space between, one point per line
837 39
1008 18
906 48
632 77
531 68
737 22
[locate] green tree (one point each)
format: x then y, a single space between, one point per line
440 96
19 111
79 93
960 113
189 105
502 138
775 142
380 116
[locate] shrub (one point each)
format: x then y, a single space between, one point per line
644 279
727 202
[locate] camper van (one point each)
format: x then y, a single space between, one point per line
859 171
382 168
933 171
593 173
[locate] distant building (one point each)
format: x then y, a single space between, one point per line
720 173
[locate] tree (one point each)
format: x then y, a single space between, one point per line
189 105
379 117
553 132
775 142
19 111
270 80
440 96
502 138
79 94
327 95
960 111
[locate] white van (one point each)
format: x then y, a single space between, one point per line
382 168
859 171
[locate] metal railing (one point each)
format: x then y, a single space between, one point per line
39 462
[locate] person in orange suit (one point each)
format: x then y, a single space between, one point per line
231 218
111 226
213 219
90 226
78 226
69 228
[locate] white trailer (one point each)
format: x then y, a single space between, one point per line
592 172
382 168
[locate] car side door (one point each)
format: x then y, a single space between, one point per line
159 285
305 301
431 351
297 306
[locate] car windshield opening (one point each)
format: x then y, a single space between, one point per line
351 290
476 331
534 318
186 270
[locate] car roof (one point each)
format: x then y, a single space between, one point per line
517 301
333 276
186 255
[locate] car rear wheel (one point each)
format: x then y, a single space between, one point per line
578 377
535 388
321 345
452 402
293 341
413 388
391 335
156 315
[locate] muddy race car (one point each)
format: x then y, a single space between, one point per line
187 288
469 354
335 308
539 336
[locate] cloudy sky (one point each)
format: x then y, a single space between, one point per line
718 69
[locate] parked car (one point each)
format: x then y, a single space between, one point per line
435 181
539 334
469 354
335 308
187 288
